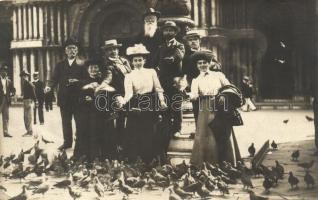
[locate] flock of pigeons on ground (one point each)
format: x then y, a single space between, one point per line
275 173
107 177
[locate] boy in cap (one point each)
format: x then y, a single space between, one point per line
39 93
6 92
28 99
247 91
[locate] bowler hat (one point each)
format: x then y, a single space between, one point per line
192 34
24 72
151 11
171 24
71 41
35 73
137 49
111 43
203 54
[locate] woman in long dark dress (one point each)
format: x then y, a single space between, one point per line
142 90
86 111
208 147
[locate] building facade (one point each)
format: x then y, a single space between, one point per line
273 42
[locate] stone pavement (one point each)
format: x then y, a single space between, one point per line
258 127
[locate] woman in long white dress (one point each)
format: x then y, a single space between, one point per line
205 88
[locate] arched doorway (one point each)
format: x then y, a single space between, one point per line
275 20
103 20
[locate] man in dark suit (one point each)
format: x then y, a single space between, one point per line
150 36
114 70
6 92
169 59
39 93
189 67
67 75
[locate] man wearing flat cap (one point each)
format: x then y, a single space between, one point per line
29 98
169 66
6 92
193 40
114 70
67 76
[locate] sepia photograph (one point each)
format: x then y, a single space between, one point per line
158 99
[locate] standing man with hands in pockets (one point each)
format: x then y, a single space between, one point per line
67 75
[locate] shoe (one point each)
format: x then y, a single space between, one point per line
27 134
7 135
192 135
64 147
176 135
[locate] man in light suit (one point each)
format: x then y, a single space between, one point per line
6 92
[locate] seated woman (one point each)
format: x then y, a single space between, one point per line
142 90
207 146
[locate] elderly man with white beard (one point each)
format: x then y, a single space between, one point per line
150 36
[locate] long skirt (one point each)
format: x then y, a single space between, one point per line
140 130
211 146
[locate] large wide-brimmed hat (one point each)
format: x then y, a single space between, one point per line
203 54
137 49
71 41
151 11
24 73
171 24
192 34
110 44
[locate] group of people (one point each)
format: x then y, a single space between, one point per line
130 106
33 94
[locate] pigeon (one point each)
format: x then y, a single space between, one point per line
251 150
253 196
309 118
173 195
98 187
279 170
274 145
74 194
180 192
223 187
286 121
3 188
306 165
42 189
292 180
267 184
295 155
64 183
309 180
127 190
46 141
139 184
22 195
246 180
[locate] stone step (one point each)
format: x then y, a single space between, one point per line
181 145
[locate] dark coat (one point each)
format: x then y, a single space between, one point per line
189 67
151 43
111 72
10 91
39 90
68 93
168 71
28 90
247 90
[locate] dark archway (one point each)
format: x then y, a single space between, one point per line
275 20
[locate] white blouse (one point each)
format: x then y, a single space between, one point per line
207 83
141 81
